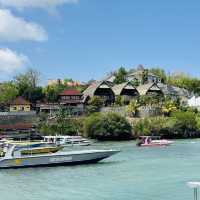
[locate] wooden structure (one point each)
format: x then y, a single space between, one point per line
71 98
20 105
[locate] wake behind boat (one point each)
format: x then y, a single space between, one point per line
14 159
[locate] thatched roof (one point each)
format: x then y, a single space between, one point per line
167 89
143 89
181 92
109 78
93 87
117 89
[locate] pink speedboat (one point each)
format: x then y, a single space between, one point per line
153 141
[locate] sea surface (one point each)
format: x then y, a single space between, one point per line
157 173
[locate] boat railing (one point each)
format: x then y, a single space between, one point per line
9 151
194 186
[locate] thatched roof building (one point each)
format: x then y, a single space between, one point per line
167 90
125 89
149 88
101 89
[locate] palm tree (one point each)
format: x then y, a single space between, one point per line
168 107
132 108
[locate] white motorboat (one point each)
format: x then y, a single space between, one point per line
14 159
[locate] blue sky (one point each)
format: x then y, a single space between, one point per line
85 39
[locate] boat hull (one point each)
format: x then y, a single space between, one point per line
154 145
57 159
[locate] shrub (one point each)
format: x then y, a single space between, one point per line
109 126
96 101
120 101
150 126
185 120
94 104
168 107
132 108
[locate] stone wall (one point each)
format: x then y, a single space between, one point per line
120 110
144 111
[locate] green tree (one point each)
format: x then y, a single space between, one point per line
52 91
120 75
64 125
141 128
145 73
8 92
110 126
185 121
169 106
160 73
94 104
135 82
67 80
184 81
27 85
96 101
120 101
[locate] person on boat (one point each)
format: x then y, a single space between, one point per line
140 141
149 140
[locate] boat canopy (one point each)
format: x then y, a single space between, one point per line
193 184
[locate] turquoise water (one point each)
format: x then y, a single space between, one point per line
134 174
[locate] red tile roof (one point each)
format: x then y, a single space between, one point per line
20 101
70 93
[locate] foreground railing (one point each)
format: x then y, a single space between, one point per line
195 186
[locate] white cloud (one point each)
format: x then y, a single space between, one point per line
20 4
11 61
13 28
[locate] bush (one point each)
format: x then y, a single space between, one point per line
185 121
132 108
119 101
150 126
94 104
62 125
96 101
110 126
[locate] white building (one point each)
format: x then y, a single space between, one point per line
194 102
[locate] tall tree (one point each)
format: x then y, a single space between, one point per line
8 92
160 73
145 73
52 92
120 75
27 84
